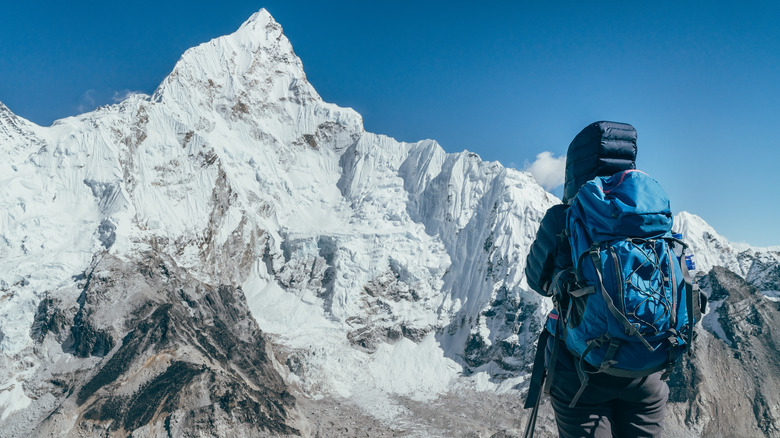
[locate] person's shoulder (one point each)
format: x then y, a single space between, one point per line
556 215
558 209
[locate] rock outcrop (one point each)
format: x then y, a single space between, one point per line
159 354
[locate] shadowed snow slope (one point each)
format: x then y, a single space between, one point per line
152 253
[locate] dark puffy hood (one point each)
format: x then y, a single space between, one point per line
601 149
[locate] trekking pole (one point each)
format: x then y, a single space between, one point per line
531 424
536 387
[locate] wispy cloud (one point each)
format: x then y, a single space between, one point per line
91 99
121 95
87 101
548 170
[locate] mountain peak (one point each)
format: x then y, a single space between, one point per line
16 134
260 18
254 63
685 223
6 115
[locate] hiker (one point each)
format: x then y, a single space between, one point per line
609 405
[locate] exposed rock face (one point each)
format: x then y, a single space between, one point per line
731 386
164 354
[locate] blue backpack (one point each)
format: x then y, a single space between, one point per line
632 311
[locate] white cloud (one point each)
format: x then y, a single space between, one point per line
87 101
121 95
548 170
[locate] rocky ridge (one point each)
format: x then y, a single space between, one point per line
187 356
729 386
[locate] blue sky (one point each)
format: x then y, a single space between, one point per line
507 79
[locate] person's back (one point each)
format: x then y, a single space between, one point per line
610 406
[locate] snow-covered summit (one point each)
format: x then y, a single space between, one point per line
756 265
238 75
16 131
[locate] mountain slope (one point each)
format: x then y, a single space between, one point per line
729 387
150 350
759 266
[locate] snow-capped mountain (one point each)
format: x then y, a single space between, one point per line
759 266
361 256
234 254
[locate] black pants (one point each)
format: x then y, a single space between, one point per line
610 406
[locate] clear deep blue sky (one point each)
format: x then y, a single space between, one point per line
700 81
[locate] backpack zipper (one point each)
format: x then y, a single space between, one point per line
619 282
622 177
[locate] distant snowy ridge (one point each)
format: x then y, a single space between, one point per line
759 266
